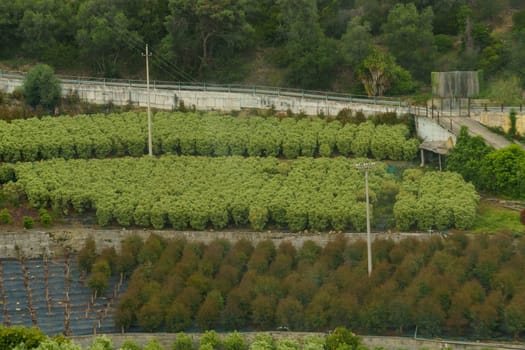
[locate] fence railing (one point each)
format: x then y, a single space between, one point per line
472 106
229 88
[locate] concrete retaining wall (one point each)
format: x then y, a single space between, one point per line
500 120
429 130
33 243
169 99
389 343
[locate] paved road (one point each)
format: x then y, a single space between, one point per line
454 124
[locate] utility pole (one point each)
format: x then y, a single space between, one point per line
150 142
366 166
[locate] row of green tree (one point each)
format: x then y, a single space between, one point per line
434 200
21 338
201 192
500 172
117 135
454 286
369 45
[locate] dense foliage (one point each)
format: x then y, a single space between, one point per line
209 340
116 135
435 200
42 88
315 43
10 337
199 192
454 286
500 172
196 192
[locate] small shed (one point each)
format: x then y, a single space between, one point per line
441 148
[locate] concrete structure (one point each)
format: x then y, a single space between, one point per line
432 124
499 119
373 342
34 243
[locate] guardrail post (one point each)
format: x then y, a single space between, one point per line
521 107
468 106
502 107
204 86
485 107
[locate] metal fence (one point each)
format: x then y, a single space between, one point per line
448 107
231 88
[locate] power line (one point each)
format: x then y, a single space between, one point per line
137 44
160 61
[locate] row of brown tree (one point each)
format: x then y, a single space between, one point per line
454 286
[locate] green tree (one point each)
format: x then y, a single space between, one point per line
467 155
46 30
356 42
103 36
203 29
502 172
311 56
379 73
342 337
42 88
408 34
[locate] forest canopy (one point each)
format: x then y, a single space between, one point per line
302 43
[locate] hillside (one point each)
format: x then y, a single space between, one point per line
314 44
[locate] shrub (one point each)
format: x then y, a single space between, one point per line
182 342
153 344
234 341
11 337
258 217
45 218
130 345
5 216
28 222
